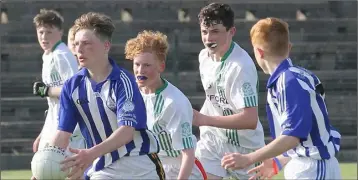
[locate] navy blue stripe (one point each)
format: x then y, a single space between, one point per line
106 125
318 169
130 146
271 123
82 94
146 142
316 139
324 169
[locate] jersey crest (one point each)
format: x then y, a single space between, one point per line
186 129
246 89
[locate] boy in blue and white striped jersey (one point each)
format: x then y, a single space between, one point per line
304 141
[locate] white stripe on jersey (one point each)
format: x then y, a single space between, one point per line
127 85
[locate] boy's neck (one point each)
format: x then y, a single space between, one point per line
273 63
100 71
219 55
152 88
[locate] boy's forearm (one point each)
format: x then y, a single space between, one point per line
247 119
187 163
61 139
278 146
118 138
54 92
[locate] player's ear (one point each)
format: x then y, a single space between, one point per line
260 52
162 66
107 46
289 46
232 31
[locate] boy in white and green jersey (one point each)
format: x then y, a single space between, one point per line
59 64
228 120
169 112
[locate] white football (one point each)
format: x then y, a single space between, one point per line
46 164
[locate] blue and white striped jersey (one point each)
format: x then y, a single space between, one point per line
296 107
101 108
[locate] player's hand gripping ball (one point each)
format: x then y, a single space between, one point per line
46 164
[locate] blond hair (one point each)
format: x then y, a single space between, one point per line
147 41
272 34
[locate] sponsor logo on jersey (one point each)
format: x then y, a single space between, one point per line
217 99
82 101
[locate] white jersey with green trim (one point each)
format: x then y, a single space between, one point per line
57 67
230 86
169 116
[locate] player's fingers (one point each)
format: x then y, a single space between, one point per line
68 159
230 165
72 150
253 170
75 171
256 176
68 165
33 178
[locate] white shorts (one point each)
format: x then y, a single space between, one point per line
132 167
172 166
308 168
210 151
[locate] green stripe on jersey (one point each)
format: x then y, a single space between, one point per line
188 142
250 101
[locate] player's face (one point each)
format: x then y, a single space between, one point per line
48 36
89 48
216 38
147 69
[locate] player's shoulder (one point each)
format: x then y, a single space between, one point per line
62 51
203 55
74 81
240 57
175 97
125 76
297 74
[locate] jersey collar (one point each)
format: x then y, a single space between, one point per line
56 45
228 52
114 75
284 65
158 91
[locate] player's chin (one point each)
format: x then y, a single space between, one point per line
141 83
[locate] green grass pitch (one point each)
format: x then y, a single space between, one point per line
349 171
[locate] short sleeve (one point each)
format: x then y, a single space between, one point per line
66 64
243 90
68 114
294 98
179 124
130 105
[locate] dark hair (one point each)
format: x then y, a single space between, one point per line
101 24
215 13
48 17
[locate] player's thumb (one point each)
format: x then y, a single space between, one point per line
72 150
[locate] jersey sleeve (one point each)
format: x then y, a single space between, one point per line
244 85
68 114
130 105
179 124
294 101
66 64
